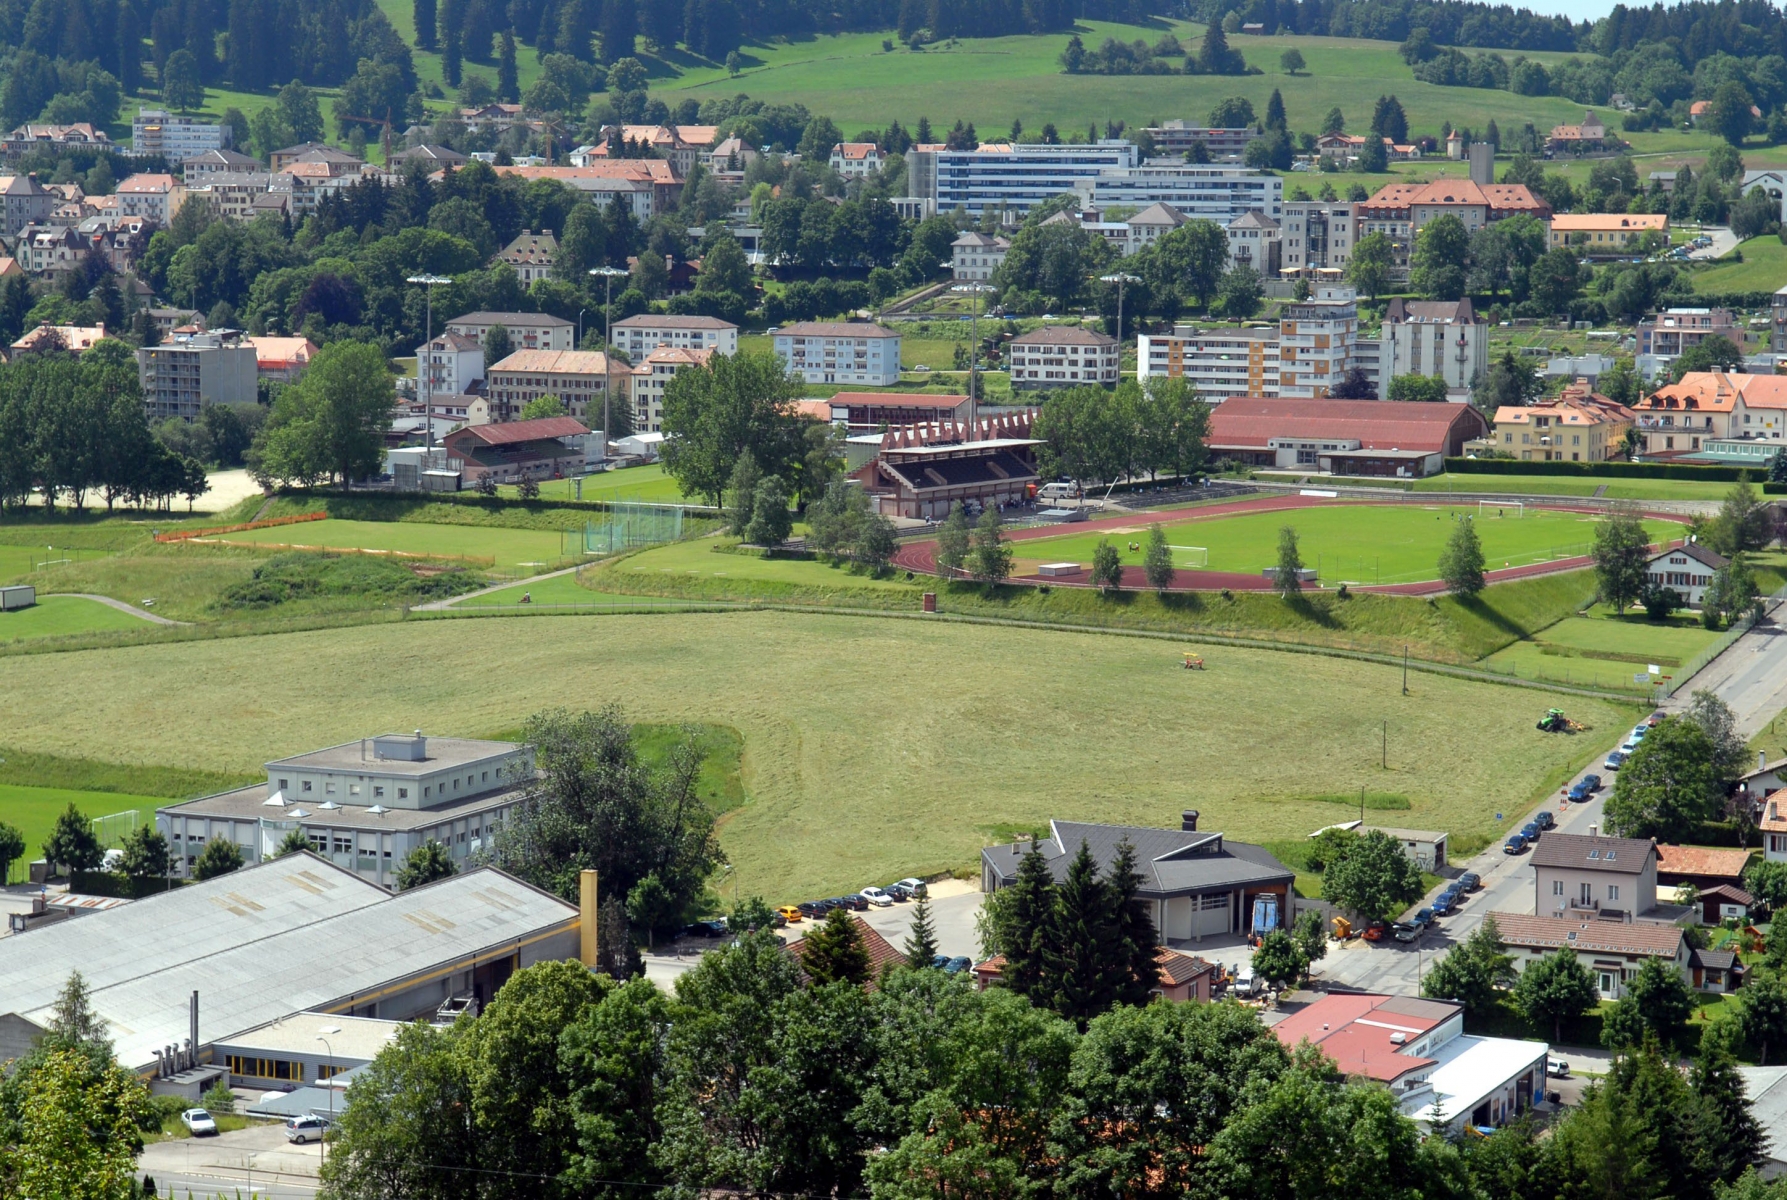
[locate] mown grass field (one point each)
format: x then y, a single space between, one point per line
1564 485
514 551
647 483
33 812
1598 651
560 589
1763 269
59 616
1352 543
872 748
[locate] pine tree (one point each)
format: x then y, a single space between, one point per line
74 1022
1030 912
1136 943
1077 955
922 135
451 31
953 538
508 84
1275 118
742 490
835 951
424 16
1729 1136
921 939
71 842
620 29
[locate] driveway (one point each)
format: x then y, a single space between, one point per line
255 1160
1724 242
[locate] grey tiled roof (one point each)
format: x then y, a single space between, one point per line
1171 861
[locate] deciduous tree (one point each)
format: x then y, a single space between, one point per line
1669 784
219 857
712 414
1157 564
1555 989
425 864
1374 878
1107 566
1621 553
1461 563
1474 973
992 553
1289 579
72 844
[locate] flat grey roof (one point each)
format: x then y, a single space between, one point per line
348 1037
291 935
1170 861
249 804
442 752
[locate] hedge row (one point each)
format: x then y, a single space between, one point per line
1604 470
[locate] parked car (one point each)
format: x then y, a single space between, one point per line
815 909
1652 720
1544 820
1639 730
1374 931
299 1130
940 961
877 897
1403 931
707 929
1530 831
1470 881
1514 845
790 913
855 901
198 1122
899 891
1557 1068
1246 984
958 964
914 887
1615 760
1445 902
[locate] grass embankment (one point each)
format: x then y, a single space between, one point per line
1604 651
873 749
1447 630
1763 267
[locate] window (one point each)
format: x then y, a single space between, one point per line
284 784
305 785
1613 891
329 788
1557 887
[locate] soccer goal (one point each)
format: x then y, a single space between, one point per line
1190 556
111 830
1500 508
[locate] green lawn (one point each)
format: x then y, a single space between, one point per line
1566 485
33 811
1763 269
560 589
872 748
54 616
1603 652
515 551
1346 542
647 483
702 558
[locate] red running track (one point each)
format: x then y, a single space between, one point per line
921 557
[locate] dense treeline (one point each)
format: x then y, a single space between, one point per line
72 427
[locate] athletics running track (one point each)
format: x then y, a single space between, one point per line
921 557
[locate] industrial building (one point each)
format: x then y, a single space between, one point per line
180 973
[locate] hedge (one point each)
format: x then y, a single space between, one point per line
1605 470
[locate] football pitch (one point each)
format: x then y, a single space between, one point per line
1347 543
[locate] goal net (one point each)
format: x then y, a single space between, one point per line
1190 556
1487 509
111 830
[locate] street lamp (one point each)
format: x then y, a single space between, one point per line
608 275
427 282
1120 279
977 290
322 1143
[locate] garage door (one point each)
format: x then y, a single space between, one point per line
1210 917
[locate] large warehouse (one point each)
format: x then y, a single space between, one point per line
292 935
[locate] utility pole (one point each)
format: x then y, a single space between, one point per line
607 273
1385 761
1120 279
976 290
424 368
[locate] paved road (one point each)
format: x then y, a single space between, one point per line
1724 242
122 607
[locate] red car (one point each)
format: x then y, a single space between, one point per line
1374 931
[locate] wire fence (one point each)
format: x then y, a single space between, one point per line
626 525
1738 628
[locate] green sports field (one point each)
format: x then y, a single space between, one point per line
33 811
1346 543
648 483
515 551
1602 652
1609 487
54 616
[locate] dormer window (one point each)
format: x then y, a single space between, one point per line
1610 856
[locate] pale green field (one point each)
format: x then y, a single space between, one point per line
562 589
52 616
527 551
873 748
647 483
701 559
33 812
1601 652
1763 269
1564 485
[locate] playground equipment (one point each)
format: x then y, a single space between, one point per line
1194 662
1554 721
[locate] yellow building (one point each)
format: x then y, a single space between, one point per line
1578 425
1606 233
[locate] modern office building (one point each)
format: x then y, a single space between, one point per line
1013 178
176 138
1316 238
1220 363
185 376
1447 338
1177 138
840 352
1218 193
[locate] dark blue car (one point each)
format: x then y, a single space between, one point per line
1514 845
1530 831
1585 788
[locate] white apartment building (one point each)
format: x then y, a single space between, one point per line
154 197
449 365
840 352
1014 178
234 197
183 377
1255 240
527 331
1316 237
975 256
177 139
532 254
1218 193
1220 363
1058 356
855 160
1434 337
1315 342
653 375
640 334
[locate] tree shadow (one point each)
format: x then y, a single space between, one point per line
1317 614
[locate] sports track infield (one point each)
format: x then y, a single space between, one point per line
1347 543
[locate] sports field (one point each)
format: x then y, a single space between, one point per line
1609 487
648 483
54 616
1602 652
1346 543
514 551
873 748
33 811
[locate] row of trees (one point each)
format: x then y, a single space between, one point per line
1159 428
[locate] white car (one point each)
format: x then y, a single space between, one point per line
299 1130
198 1122
877 897
1557 1068
917 885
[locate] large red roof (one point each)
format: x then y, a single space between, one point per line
510 432
1376 424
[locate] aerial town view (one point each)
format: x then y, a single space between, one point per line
893 600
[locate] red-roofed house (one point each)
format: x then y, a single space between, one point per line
1343 437
1182 976
281 359
1590 137
1440 1076
883 955
854 160
1702 866
1399 210
546 448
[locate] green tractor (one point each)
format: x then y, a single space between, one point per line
1554 721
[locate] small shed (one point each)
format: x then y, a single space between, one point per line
17 596
1426 846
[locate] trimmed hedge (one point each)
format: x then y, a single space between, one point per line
1604 470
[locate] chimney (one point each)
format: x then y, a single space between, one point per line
1594 831
1762 760
586 917
1188 820
192 1018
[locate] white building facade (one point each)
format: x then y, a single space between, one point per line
975 256
1059 356
1219 194
1445 338
639 335
1315 342
840 352
1013 178
1219 362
